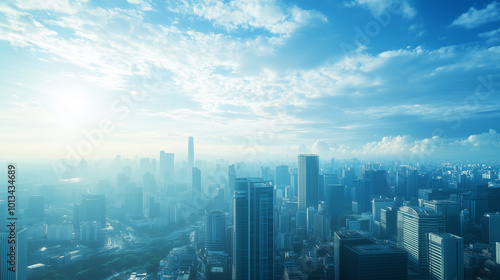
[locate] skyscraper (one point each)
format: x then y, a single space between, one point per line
93 208
196 179
231 177
215 230
190 153
413 225
253 230
377 180
21 255
282 176
446 256
451 211
308 175
490 227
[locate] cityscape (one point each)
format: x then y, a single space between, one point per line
313 218
249 140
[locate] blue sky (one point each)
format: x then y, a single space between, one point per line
356 78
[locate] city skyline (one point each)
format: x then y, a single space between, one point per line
366 79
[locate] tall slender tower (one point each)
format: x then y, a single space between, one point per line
190 153
308 175
253 230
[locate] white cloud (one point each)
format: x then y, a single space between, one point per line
490 139
474 18
379 7
259 14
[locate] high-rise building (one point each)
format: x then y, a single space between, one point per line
411 183
377 205
166 166
20 259
492 198
451 211
253 230
93 208
446 256
334 199
377 179
362 195
375 262
413 225
163 165
340 241
308 172
190 153
215 230
196 179
311 216
490 227
282 176
322 226
231 177
388 223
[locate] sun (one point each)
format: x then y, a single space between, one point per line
71 106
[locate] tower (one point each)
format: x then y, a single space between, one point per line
190 153
215 230
253 230
308 175
196 179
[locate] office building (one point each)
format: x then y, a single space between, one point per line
253 230
20 263
231 177
340 241
375 262
413 225
308 172
196 180
388 223
377 180
166 166
282 176
190 153
490 228
93 208
451 211
215 230
446 256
